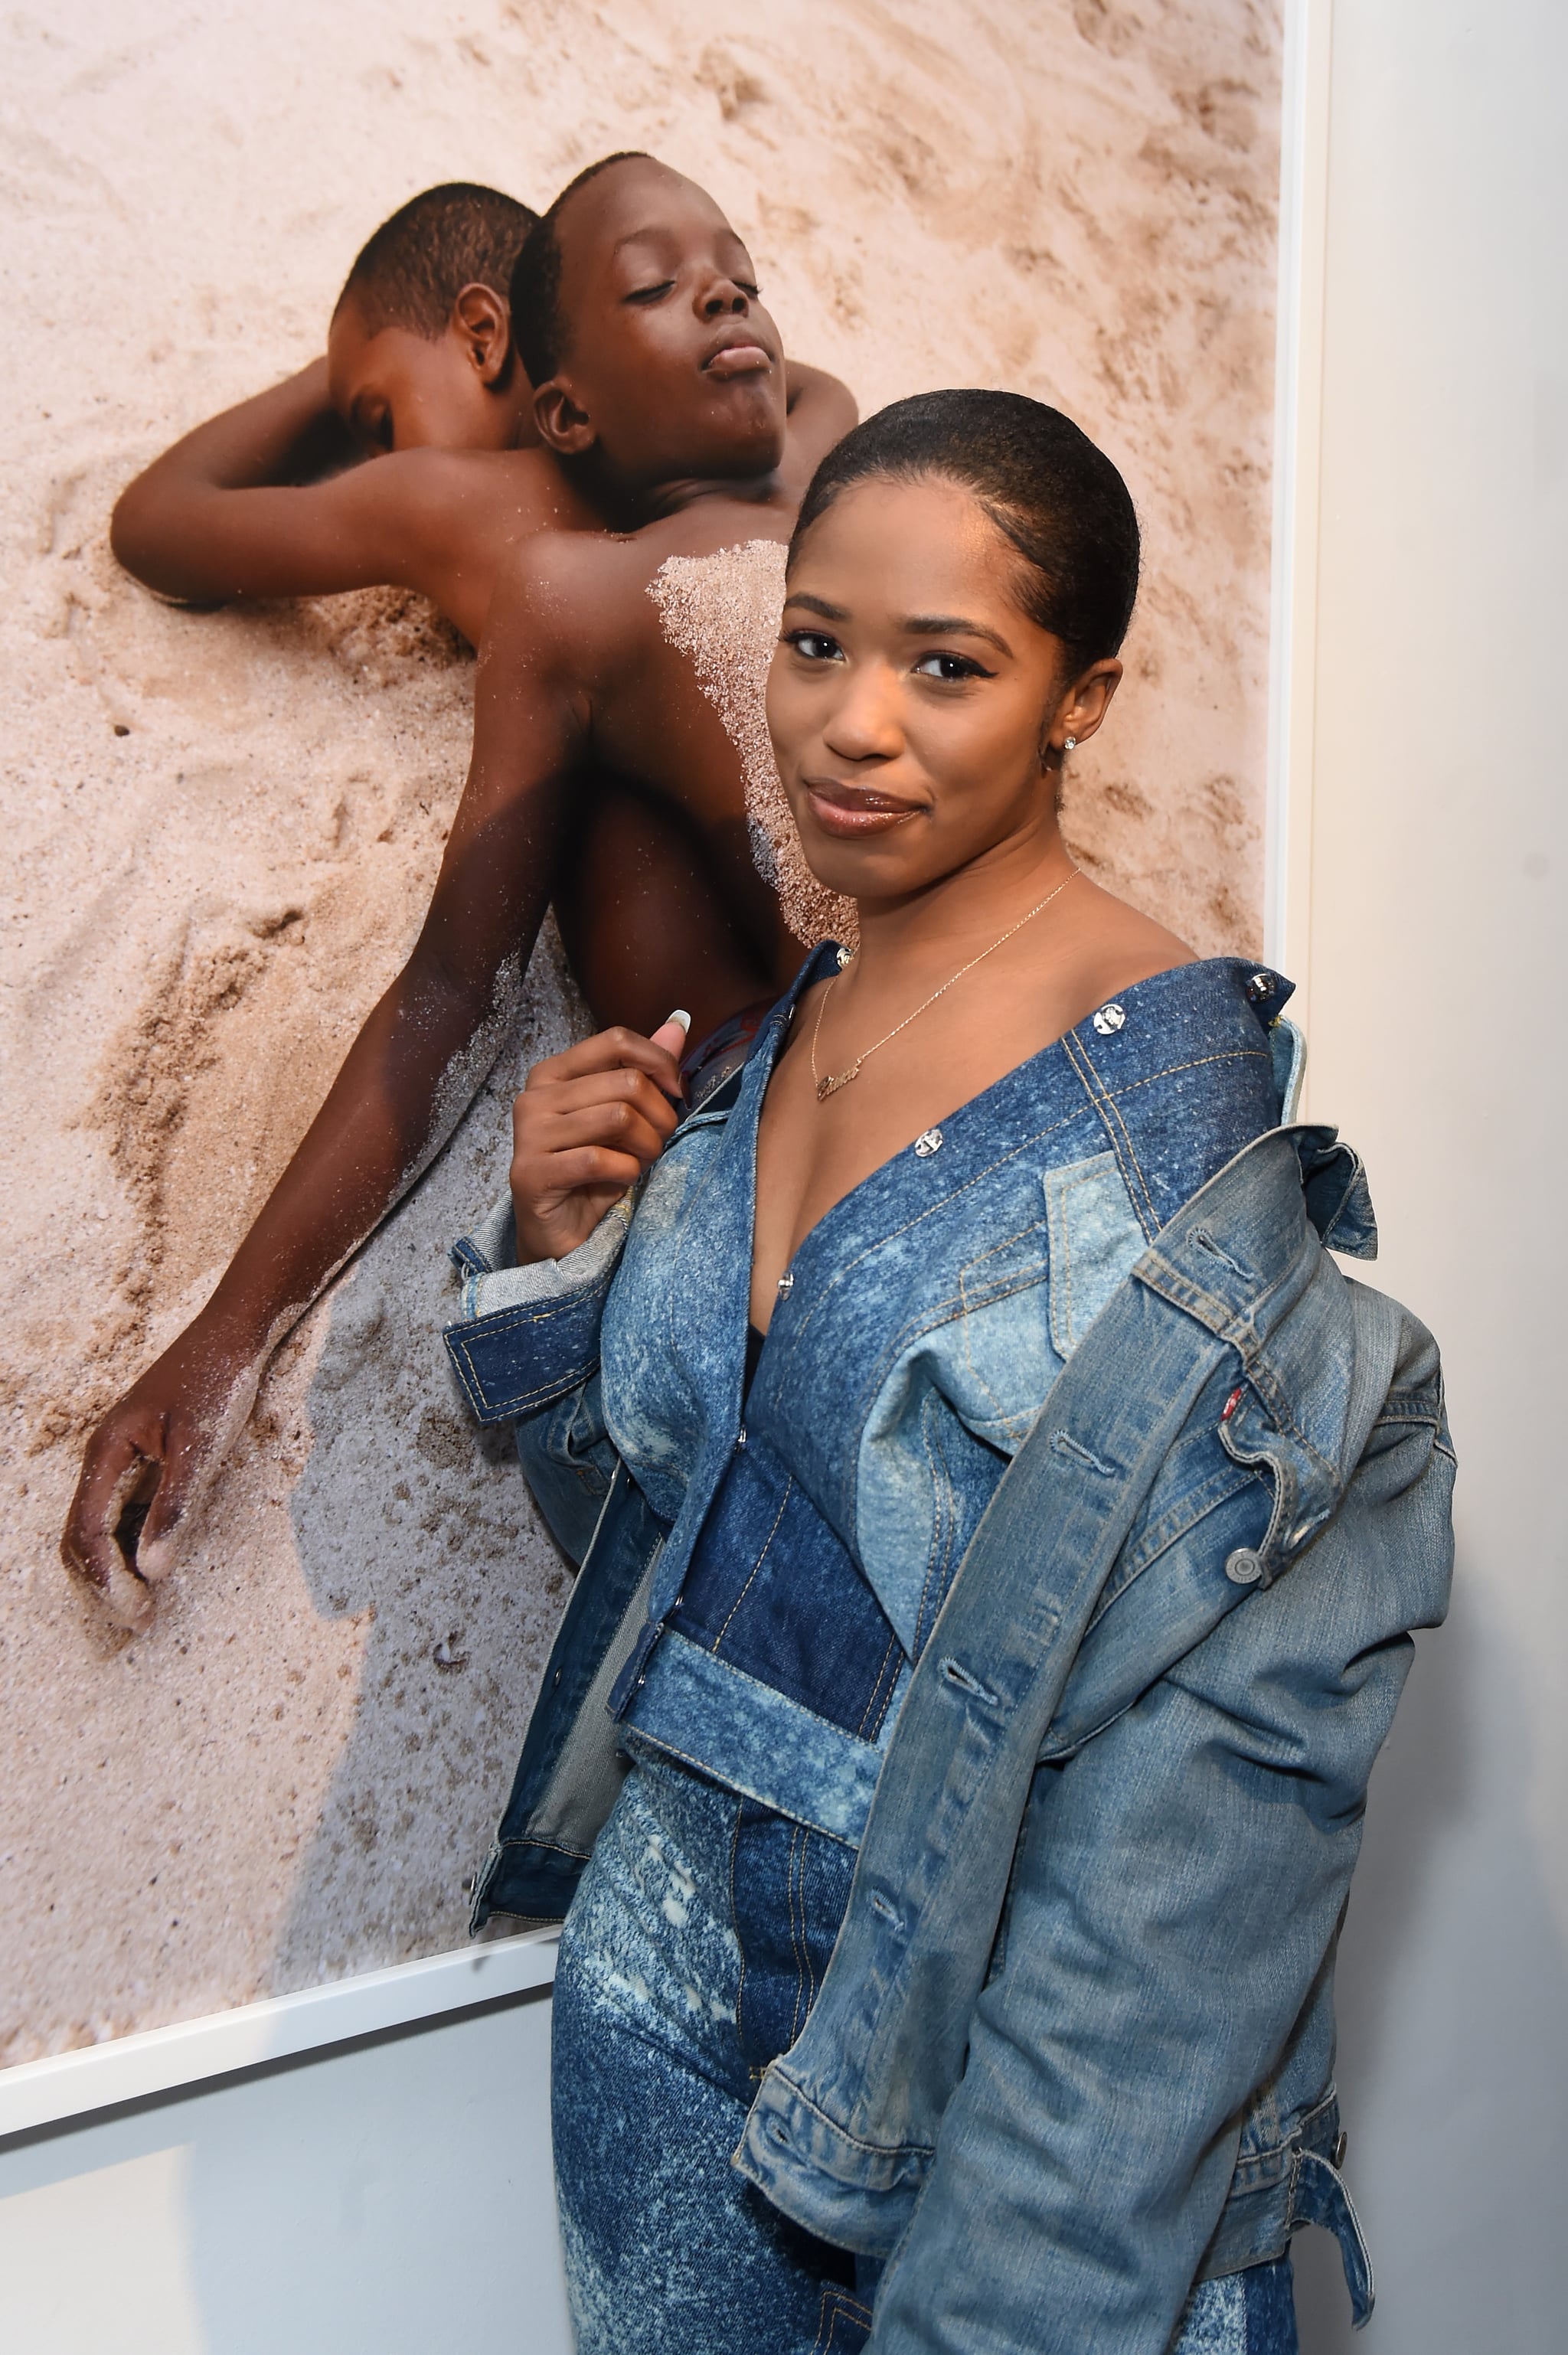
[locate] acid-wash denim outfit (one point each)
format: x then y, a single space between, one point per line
1090 2063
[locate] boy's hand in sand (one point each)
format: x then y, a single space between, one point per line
586 1127
148 1462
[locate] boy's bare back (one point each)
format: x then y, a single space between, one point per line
594 666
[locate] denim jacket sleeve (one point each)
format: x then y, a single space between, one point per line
526 1350
1177 1885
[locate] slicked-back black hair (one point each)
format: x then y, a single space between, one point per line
537 329
1045 486
418 262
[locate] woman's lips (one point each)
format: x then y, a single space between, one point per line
738 359
849 811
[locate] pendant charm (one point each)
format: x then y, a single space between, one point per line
835 1081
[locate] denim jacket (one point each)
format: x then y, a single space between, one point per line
1131 1762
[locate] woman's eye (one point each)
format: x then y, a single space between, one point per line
949 666
816 645
747 287
650 293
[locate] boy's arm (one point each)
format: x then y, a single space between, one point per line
821 411
245 506
408 1077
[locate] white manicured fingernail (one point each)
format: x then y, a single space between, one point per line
680 1016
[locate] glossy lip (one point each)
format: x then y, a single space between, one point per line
852 811
739 351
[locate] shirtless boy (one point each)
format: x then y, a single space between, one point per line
660 380
421 371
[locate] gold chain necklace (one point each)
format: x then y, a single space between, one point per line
829 1084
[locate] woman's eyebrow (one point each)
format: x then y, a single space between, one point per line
951 625
817 605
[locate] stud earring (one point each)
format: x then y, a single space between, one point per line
1070 744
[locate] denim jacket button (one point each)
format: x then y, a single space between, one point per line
927 1143
1260 986
1108 1020
1245 1568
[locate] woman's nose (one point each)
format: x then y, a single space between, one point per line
864 723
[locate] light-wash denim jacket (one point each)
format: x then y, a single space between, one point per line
1132 1753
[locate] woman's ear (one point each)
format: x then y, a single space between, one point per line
482 325
1084 704
563 426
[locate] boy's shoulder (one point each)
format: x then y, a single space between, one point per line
526 483
591 588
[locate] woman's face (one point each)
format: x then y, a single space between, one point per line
912 701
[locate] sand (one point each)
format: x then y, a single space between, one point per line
220 830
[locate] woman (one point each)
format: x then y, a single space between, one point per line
958 1943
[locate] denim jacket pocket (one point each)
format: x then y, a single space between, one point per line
1095 1238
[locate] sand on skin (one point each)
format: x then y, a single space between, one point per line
221 829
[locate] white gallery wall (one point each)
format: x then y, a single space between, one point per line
1427 910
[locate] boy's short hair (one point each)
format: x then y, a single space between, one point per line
539 331
409 273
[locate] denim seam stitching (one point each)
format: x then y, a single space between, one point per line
1114 1126
756 1566
558 1848
838 2306
941 1486
1197 1063
479 1396
936 1487
844 2134
892 1645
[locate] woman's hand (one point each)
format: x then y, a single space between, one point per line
147 1464
586 1127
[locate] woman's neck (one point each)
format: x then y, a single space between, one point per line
962 914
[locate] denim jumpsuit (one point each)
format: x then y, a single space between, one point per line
917 1334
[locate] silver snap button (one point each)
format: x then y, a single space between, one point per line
741 1436
1109 1020
1245 1568
928 1142
845 957
1260 986
786 1281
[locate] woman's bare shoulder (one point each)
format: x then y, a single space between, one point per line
1118 945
